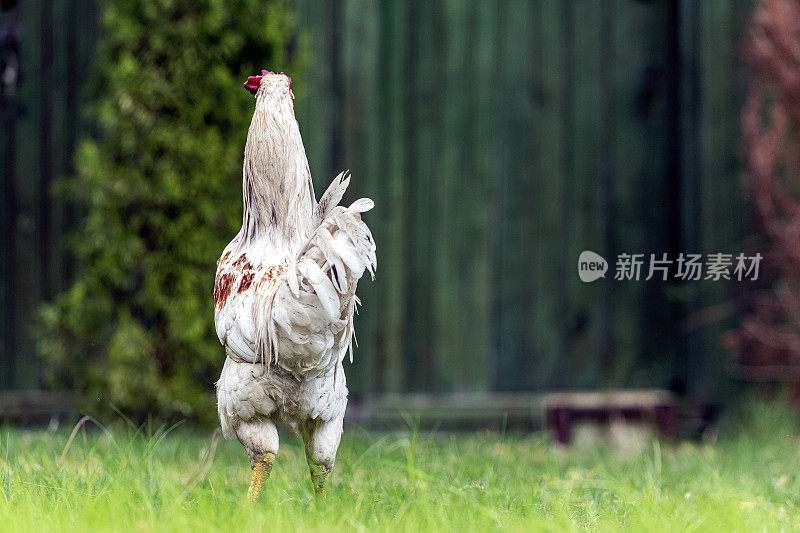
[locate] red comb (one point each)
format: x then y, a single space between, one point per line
253 82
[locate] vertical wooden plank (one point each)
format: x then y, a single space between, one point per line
562 285
47 217
462 359
29 235
86 20
455 321
656 115
60 150
659 213
481 165
78 31
415 245
424 104
502 328
604 194
690 171
391 282
585 222
718 131
673 371
359 78
333 43
545 200
445 288
637 152
710 98
372 183
514 197
470 242
314 111
8 235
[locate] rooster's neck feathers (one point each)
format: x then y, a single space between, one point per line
279 203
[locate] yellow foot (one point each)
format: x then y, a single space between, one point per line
319 476
260 472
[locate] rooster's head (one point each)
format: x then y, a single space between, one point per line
268 80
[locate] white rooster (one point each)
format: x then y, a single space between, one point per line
284 295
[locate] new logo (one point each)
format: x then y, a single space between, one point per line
591 266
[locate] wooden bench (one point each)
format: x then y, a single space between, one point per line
35 406
657 408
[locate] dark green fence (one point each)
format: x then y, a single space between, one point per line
499 139
45 50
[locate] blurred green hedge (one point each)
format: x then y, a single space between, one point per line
159 188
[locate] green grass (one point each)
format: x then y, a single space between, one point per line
124 480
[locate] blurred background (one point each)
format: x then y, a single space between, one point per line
499 139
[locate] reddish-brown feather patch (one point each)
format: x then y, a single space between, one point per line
240 261
222 288
272 274
241 267
247 280
223 258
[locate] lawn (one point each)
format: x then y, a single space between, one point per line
161 480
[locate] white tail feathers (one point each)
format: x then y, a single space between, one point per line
362 205
314 309
333 195
321 283
340 250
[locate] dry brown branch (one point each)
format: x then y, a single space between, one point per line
768 337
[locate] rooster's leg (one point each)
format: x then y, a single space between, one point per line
260 439
321 441
261 471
